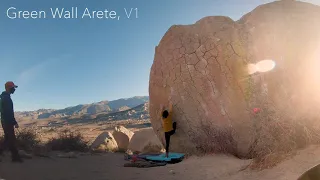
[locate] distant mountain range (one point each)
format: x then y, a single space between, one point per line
138 112
98 108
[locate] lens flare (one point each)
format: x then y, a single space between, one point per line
265 65
252 68
261 66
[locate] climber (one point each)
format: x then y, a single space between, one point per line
168 127
9 122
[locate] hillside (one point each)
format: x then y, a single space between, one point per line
139 112
104 107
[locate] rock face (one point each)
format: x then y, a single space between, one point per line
204 68
145 141
122 136
104 142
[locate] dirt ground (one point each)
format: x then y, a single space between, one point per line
110 167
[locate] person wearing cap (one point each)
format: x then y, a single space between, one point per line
9 122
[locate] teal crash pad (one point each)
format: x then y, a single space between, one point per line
173 157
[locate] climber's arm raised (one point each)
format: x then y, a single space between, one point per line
170 107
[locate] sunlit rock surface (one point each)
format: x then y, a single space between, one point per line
207 69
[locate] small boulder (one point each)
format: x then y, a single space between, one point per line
122 136
105 142
145 141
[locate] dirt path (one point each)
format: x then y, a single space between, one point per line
110 167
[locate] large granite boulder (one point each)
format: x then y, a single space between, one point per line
204 69
105 142
145 141
122 136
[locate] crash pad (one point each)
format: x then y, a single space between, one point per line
172 158
128 157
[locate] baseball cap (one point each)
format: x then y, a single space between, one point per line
10 84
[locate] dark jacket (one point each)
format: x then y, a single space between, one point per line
7 112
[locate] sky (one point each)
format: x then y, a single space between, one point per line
65 62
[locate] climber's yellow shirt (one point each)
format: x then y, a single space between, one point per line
167 123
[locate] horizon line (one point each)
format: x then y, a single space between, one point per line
81 104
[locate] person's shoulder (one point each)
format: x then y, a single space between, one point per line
5 95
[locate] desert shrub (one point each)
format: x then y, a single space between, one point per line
27 139
68 141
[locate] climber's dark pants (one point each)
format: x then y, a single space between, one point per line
167 135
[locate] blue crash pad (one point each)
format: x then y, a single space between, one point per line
162 157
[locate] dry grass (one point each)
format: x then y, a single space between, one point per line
27 139
68 141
